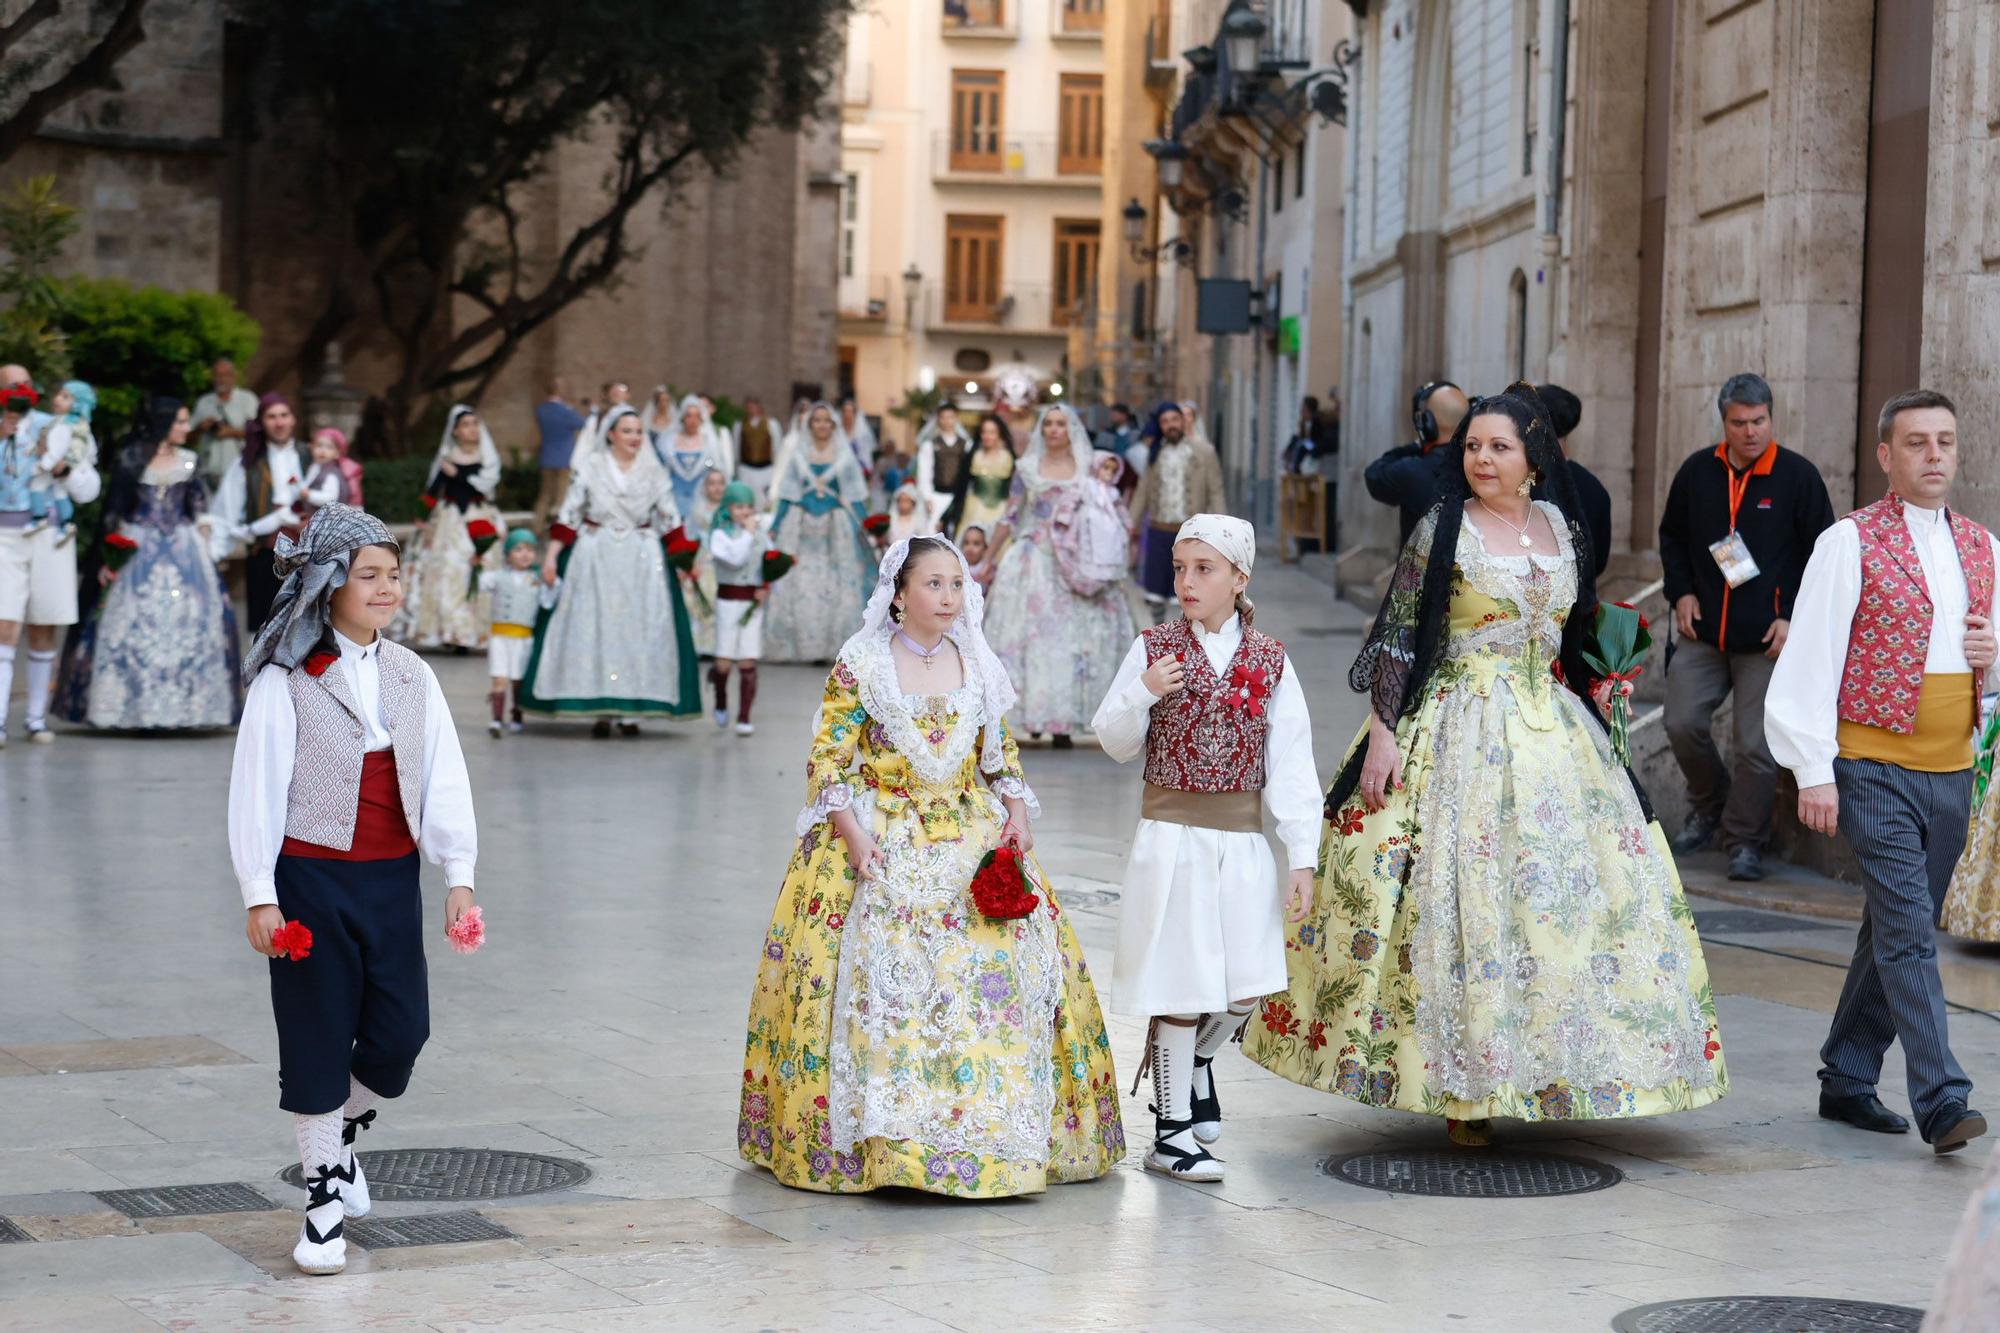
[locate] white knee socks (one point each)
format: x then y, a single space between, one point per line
1173 1068
1216 1031
360 1099
6 684
41 675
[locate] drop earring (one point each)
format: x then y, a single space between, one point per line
1527 486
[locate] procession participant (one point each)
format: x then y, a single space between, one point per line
559 426
943 450
327 482
516 597
591 439
1184 478
65 439
1500 931
860 435
617 646
259 497
156 649
1738 525
1409 475
220 418
1059 630
757 440
980 499
690 448
37 568
442 607
347 768
736 548
1215 708
1873 707
821 497
945 1050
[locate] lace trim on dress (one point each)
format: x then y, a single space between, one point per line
888 706
832 796
1011 785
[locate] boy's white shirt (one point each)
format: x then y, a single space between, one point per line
1291 781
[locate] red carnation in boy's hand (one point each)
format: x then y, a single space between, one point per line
317 663
293 939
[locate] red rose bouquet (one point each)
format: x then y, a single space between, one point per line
118 548
1617 652
428 501
682 551
294 938
875 525
776 565
483 535
1000 885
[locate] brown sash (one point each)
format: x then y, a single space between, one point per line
1224 811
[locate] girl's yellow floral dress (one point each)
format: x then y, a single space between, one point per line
1507 937
897 1036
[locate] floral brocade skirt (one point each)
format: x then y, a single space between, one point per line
1507 937
897 1037
1972 906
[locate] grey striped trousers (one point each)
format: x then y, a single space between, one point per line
1906 829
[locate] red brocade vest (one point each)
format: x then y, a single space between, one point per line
1892 625
1208 736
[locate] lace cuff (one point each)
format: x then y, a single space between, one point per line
1011 785
833 796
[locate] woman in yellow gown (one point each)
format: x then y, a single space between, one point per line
897 1036
1500 930
1972 904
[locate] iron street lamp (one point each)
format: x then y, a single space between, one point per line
1177 249
1243 32
1171 157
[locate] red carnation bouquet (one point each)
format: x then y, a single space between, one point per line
776 564
682 551
428 501
294 939
1000 885
118 548
875 525
483 535
1617 653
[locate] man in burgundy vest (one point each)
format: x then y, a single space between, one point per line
1873 707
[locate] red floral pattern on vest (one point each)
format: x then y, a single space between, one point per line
1892 625
1196 741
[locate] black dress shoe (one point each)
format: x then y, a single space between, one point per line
1954 1126
1697 833
1864 1112
1746 863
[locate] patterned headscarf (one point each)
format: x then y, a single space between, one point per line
312 567
1233 538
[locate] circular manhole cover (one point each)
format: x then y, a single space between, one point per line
1768 1314
1491 1173
425 1175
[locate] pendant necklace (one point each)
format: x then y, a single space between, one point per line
1519 530
923 654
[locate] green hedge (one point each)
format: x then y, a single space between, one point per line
127 342
394 487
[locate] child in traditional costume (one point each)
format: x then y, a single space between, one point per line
347 766
899 1035
518 597
736 553
1216 709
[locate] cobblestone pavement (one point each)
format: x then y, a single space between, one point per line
627 883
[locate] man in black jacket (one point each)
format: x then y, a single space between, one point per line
1407 475
1739 525
1565 414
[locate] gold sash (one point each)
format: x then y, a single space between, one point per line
1942 742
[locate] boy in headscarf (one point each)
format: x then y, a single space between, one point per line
518 597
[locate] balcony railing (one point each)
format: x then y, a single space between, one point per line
980 18
1019 308
1079 18
865 297
981 155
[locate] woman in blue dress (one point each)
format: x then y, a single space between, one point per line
821 502
157 651
690 452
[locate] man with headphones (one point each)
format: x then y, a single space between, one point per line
1407 476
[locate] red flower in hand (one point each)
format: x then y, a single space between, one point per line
481 529
294 939
875 524
318 662
429 501
1000 887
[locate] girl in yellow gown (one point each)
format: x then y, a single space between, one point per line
897 1036
1499 930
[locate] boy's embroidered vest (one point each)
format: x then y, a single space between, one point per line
1197 741
517 597
326 775
1884 675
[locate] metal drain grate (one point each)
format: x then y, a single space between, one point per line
1487 1173
11 1233
185 1200
399 1233
427 1175
1769 1314
1726 922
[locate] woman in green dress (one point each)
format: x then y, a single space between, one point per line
984 482
1500 930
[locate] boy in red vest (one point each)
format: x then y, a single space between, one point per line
1873 707
1216 709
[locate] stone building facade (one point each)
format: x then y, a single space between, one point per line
1638 198
731 290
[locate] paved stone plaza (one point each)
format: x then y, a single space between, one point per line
628 883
